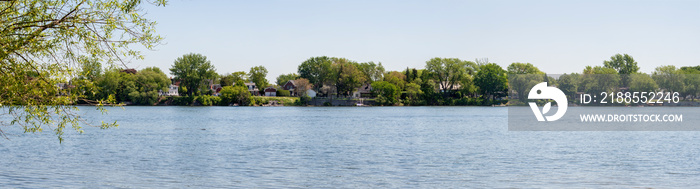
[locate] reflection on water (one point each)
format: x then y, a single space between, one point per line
343 147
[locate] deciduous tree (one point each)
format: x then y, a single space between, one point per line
44 43
449 71
193 70
624 65
258 76
284 78
316 70
491 80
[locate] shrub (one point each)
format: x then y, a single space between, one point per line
144 98
387 93
282 92
237 94
302 101
182 100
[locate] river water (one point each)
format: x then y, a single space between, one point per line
341 147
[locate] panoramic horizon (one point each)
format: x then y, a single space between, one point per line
279 35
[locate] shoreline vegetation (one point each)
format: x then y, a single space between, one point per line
333 81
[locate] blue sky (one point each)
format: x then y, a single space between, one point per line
556 36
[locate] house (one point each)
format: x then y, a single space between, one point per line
129 71
216 88
270 91
172 91
311 93
252 89
363 91
455 87
290 86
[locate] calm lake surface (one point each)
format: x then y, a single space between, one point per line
351 147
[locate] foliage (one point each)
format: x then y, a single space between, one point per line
641 82
144 98
569 84
449 71
282 92
262 100
302 101
523 68
284 78
182 100
257 75
491 80
669 78
372 72
599 79
413 94
152 79
140 88
227 95
240 75
302 85
396 78
148 82
387 93
522 76
316 70
116 83
346 75
691 81
43 43
193 70
624 64
428 87
207 100
235 95
226 80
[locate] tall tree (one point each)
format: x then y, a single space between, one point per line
491 80
691 81
372 72
193 70
396 78
624 64
599 79
316 70
240 76
226 80
149 82
258 76
641 82
387 93
569 84
346 75
43 43
522 77
669 78
449 71
523 68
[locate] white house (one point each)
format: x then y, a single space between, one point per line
172 91
311 93
251 88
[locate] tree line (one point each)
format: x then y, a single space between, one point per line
443 81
